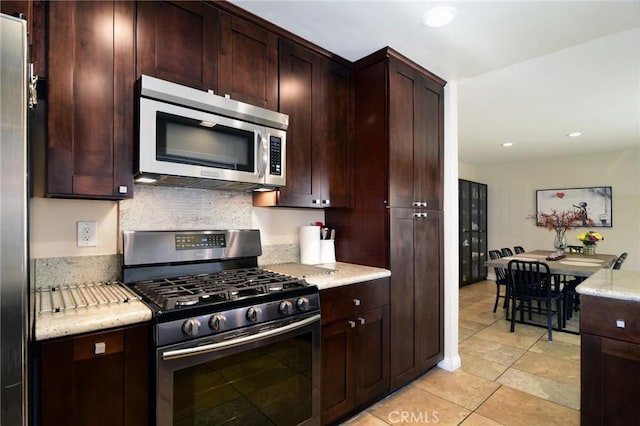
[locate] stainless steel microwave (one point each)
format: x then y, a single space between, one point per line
189 137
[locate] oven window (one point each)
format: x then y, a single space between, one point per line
185 140
270 385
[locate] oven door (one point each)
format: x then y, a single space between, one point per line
268 374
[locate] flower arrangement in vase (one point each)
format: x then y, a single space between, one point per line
561 221
590 240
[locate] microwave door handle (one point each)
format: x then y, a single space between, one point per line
262 154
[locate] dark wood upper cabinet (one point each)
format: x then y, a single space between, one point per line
178 41
416 105
315 91
248 62
90 99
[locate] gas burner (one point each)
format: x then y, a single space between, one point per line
211 288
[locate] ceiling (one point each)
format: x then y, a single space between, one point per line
527 72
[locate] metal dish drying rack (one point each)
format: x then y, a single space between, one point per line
67 297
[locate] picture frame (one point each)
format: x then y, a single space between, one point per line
595 201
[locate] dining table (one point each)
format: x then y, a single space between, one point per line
574 264
577 266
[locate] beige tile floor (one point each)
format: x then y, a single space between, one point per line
506 378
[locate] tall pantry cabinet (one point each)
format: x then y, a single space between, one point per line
397 219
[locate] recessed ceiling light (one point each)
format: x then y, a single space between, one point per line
574 134
507 144
439 16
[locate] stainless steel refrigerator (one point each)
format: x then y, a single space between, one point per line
14 274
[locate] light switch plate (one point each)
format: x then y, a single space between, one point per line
87 234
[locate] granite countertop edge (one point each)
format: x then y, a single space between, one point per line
343 274
51 325
612 284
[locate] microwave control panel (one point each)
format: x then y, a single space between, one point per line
275 155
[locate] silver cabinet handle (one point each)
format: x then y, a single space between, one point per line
352 324
326 202
419 204
316 201
361 321
356 302
421 215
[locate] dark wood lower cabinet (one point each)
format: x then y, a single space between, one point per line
355 347
79 385
610 362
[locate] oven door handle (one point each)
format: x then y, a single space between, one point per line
198 350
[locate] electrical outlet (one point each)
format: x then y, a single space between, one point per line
87 234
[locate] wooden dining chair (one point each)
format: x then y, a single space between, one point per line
531 281
501 281
518 249
506 251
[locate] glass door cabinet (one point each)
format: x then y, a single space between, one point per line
473 231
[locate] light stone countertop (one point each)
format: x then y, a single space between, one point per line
50 325
343 273
612 283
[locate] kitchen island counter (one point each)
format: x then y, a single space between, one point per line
613 284
328 275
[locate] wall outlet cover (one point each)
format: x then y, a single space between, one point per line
87 234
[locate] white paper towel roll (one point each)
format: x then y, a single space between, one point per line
309 245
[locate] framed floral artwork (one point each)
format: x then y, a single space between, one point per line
593 203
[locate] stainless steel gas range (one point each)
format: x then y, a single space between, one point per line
234 343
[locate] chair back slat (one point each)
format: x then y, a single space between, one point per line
506 251
620 261
529 278
518 249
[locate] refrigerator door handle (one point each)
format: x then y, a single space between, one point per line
32 88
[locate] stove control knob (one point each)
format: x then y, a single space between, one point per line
217 322
285 307
191 327
253 313
302 303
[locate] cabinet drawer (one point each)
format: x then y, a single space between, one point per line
616 319
98 344
347 300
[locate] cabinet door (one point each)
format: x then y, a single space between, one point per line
405 356
429 296
416 138
417 328
248 62
80 387
429 142
90 99
301 99
610 392
338 391
178 41
372 355
464 205
337 105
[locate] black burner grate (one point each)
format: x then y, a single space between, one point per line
211 288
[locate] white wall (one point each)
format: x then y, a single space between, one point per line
511 198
